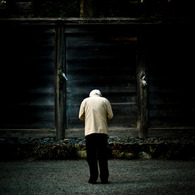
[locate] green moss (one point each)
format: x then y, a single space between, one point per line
81 154
129 155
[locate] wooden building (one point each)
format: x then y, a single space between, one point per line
48 66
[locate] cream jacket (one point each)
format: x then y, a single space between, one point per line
95 111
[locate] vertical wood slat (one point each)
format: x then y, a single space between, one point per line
60 84
142 91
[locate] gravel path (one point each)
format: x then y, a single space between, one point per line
70 177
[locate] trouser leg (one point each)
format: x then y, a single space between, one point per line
103 160
91 157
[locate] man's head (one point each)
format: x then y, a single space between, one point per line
95 92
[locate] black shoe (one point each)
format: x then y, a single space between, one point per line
105 182
92 181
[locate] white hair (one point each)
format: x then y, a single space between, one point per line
95 92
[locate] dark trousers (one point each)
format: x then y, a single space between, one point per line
96 145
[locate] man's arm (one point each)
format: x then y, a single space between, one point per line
109 110
82 111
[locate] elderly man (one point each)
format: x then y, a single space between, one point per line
95 111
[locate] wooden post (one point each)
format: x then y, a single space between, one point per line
142 86
59 82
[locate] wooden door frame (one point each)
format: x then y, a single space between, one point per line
60 84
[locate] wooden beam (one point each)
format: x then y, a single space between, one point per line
142 86
59 82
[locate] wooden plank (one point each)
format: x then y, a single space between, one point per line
30 133
27 116
113 132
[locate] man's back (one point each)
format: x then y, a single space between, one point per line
95 111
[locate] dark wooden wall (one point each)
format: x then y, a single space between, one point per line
170 59
27 77
107 56
102 57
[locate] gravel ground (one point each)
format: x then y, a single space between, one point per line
71 176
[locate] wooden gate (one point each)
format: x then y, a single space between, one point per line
116 56
102 57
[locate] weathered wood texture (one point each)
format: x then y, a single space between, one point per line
170 59
60 82
102 57
95 53
142 85
27 77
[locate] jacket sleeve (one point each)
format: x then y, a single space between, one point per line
82 111
109 110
